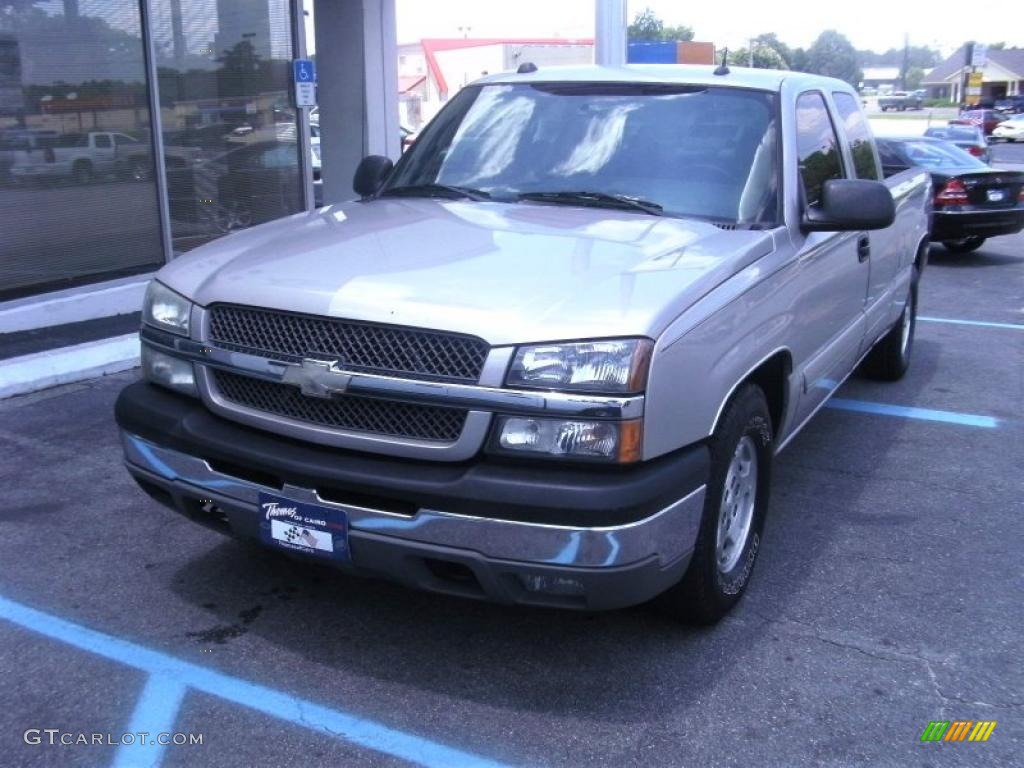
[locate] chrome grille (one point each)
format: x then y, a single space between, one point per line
361 414
365 347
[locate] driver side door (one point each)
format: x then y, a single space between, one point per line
832 267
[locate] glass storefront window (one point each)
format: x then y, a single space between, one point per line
229 128
77 197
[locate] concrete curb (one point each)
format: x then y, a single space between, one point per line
42 370
116 297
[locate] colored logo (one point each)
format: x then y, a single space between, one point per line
958 730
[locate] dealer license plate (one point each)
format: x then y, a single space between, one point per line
311 529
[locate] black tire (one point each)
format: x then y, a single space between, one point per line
890 357
707 592
964 244
81 172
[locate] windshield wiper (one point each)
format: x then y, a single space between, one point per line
598 199
437 190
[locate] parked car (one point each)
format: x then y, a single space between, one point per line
901 101
1010 105
986 119
968 137
972 202
1009 130
549 357
83 157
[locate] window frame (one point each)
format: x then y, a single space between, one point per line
844 171
879 174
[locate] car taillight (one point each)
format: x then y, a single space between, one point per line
1020 196
954 193
976 151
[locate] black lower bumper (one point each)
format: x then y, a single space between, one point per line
509 513
953 225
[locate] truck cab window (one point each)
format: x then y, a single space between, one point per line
816 145
858 136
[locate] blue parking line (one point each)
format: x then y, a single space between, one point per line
155 713
905 412
980 323
157 698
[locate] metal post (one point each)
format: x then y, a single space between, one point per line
610 32
302 113
156 133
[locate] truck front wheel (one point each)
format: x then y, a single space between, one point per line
735 503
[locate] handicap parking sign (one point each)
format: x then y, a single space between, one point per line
305 82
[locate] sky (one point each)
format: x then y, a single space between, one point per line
871 24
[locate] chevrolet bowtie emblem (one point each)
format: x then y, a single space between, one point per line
317 378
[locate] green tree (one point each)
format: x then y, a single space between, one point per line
914 77
798 62
647 26
771 40
764 57
834 56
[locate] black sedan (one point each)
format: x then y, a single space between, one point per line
972 201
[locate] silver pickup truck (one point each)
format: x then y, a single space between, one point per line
547 358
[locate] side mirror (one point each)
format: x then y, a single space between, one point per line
371 174
850 205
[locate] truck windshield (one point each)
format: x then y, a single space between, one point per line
663 149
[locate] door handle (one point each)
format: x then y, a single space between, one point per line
863 248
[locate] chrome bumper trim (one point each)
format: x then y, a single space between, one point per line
668 534
330 378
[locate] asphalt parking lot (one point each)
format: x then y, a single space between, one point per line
888 595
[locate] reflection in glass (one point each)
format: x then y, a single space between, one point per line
77 197
229 130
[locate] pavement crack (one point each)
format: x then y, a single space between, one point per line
881 653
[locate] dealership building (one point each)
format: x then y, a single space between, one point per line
132 131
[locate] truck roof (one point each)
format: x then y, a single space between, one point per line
738 77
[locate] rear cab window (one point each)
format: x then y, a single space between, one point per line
858 136
817 146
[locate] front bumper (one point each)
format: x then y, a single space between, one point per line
513 533
952 225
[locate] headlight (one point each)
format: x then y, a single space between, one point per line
617 441
165 309
168 371
618 366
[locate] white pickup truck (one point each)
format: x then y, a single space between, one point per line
82 157
549 357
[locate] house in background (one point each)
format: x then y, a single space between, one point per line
433 70
1002 76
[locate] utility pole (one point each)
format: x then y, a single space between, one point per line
906 61
750 52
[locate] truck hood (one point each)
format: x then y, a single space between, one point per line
509 273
